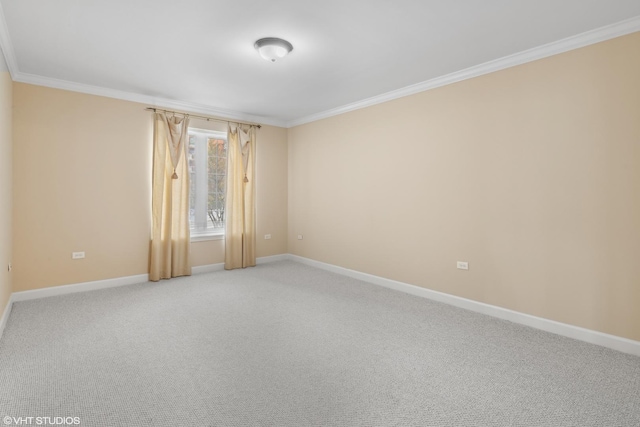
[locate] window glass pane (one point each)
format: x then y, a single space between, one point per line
207 171
216 165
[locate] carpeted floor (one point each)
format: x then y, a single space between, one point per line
284 344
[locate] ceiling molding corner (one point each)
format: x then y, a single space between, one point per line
7 46
598 35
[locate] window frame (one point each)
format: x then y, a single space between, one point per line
202 150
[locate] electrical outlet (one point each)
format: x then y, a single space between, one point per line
299 236
267 236
77 255
462 265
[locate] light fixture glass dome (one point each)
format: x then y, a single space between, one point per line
272 48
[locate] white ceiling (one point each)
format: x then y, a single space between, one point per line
200 53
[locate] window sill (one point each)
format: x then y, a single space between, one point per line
205 237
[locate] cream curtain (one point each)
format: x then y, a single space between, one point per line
170 241
240 236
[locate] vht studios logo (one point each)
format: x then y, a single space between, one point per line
41 421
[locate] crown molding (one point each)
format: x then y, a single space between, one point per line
618 29
152 101
7 46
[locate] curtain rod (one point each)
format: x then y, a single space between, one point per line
202 117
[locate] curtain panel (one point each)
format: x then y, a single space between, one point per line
240 233
170 239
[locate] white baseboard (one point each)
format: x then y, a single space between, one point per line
98 284
118 281
78 287
209 268
594 337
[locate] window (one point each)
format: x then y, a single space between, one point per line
207 154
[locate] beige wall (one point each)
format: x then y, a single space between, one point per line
82 168
531 174
6 99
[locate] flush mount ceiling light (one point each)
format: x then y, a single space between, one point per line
273 48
